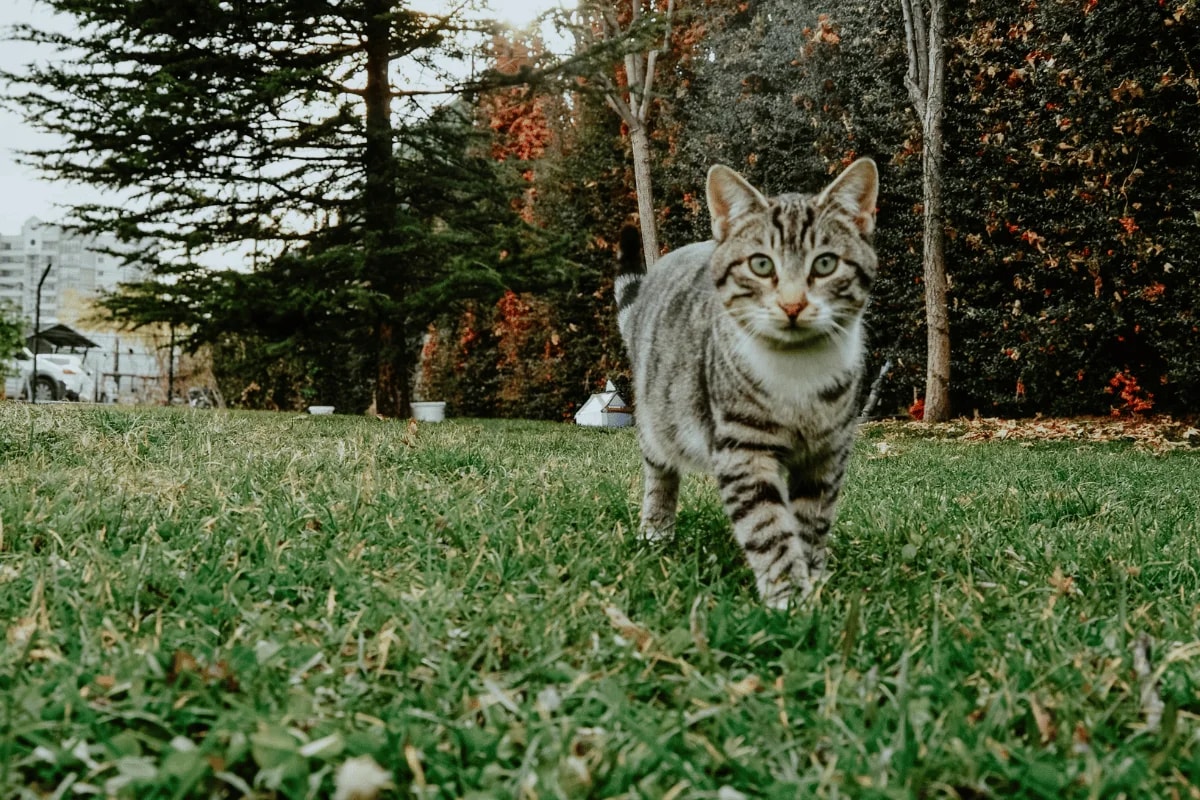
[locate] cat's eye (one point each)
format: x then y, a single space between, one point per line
824 265
762 266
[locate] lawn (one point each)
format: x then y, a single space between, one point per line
212 604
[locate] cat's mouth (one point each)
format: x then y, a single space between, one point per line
795 334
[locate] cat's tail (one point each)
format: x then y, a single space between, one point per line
630 274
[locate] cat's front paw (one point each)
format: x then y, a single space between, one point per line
652 534
788 590
781 594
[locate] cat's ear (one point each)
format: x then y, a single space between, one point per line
729 196
856 191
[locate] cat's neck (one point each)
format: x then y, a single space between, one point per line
796 374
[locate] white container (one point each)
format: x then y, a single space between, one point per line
318 410
429 411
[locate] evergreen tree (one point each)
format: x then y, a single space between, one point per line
276 125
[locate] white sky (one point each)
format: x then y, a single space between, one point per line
23 193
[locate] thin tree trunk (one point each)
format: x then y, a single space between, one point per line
937 321
392 391
633 101
926 87
640 144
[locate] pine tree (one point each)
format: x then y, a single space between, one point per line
276 127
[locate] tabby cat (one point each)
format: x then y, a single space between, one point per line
747 352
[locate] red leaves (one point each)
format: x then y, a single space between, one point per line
1135 400
184 663
825 32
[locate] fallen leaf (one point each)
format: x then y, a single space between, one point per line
1064 585
21 632
1044 721
182 662
751 684
628 629
361 778
1151 702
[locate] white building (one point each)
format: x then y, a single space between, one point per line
80 268
79 271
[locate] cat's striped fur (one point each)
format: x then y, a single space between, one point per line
747 352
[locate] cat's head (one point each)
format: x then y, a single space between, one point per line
794 270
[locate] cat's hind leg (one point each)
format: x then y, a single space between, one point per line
660 499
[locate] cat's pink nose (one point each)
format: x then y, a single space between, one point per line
793 309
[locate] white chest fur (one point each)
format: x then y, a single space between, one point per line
794 378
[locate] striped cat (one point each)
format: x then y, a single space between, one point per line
746 353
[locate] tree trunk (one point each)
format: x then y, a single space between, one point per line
926 82
640 144
937 321
392 391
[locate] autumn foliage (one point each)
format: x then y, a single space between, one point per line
1072 191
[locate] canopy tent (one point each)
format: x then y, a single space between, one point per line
58 337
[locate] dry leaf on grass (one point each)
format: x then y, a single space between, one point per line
21 632
628 628
1151 702
746 686
1158 434
360 778
1044 721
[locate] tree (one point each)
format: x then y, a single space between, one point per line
12 335
1071 131
298 320
630 93
926 82
265 125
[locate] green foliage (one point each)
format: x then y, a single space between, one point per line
1071 182
245 125
541 354
791 95
210 604
1071 146
12 335
1071 185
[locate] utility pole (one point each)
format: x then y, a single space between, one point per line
171 366
37 331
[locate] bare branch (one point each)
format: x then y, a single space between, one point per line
618 104
914 38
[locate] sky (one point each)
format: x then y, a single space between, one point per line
25 194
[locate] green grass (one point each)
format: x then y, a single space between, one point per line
205 604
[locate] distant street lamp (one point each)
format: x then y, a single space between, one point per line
37 331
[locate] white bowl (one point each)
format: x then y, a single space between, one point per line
320 409
429 411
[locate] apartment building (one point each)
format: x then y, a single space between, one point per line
80 268
125 366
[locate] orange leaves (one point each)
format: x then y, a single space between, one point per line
1034 238
517 117
825 32
1126 91
1135 400
1153 292
184 664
